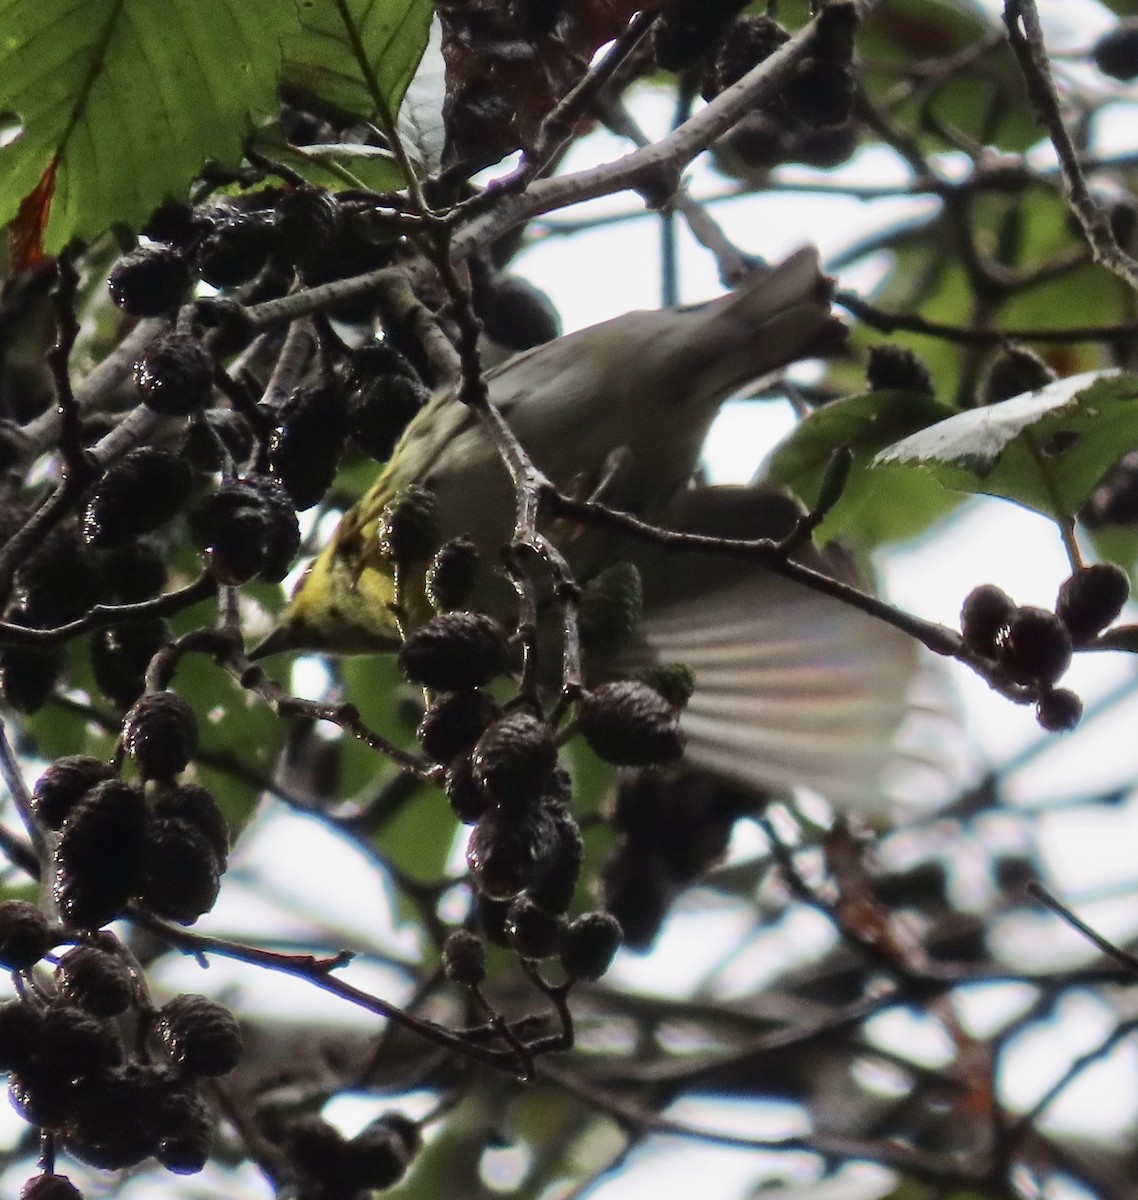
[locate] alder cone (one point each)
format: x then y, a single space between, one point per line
513 760
25 935
149 281
160 733
95 980
50 1187
464 958
181 875
1034 647
455 652
454 722
175 375
141 492
97 861
507 851
199 1036
60 788
1091 598
590 945
630 725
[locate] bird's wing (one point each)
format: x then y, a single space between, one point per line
793 688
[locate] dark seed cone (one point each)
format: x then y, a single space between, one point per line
452 574
184 1146
748 41
553 890
987 610
59 582
408 530
455 651
306 445
97 861
141 492
591 943
125 1114
181 875
516 314
25 935
1059 710
895 367
20 1026
120 655
380 409
306 222
235 250
247 528
468 801
464 958
78 1042
173 221
196 806
629 724
1034 647
149 281
199 1036
1091 599
377 1157
28 677
315 1149
175 375
1014 371
1116 52
509 851
454 722
132 573
821 94
513 760
65 782
161 734
96 981
531 931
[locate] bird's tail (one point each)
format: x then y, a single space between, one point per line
773 317
793 688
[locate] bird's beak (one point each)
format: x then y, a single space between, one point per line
277 642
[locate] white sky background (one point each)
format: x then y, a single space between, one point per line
611 271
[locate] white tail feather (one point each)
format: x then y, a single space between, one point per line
793 688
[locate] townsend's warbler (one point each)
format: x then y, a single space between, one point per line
791 687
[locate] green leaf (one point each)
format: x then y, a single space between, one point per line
985 99
332 165
1045 450
871 511
359 54
238 734
418 836
127 100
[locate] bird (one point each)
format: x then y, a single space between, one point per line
793 688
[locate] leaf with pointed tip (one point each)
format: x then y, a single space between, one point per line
124 102
868 512
1045 449
358 54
